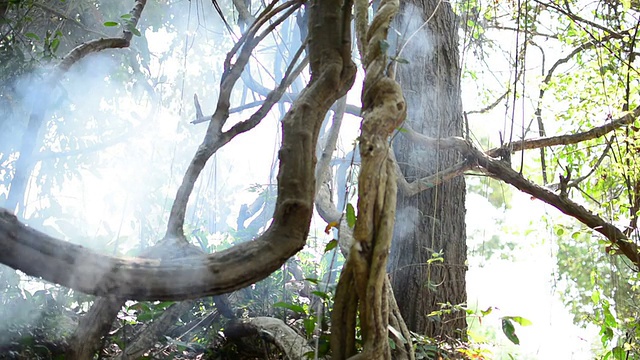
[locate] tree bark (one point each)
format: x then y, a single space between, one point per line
433 221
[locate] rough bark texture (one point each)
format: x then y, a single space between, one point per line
434 220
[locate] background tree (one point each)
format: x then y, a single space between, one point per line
428 258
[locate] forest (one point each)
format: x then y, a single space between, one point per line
319 179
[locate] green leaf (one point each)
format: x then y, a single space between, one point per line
509 330
321 294
351 216
609 319
33 36
520 320
292 307
309 325
164 305
486 312
146 316
619 353
626 4
607 335
331 245
54 44
135 31
125 16
110 23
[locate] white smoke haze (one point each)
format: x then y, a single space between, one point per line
407 219
415 40
118 139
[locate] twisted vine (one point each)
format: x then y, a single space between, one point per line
383 110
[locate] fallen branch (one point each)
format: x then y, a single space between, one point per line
294 345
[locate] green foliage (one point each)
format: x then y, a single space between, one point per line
124 22
509 330
351 215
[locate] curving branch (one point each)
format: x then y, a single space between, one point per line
74 266
428 182
323 167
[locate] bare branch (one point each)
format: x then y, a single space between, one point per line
244 15
47 8
215 138
492 105
578 19
501 170
568 139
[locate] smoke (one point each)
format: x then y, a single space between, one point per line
415 41
407 220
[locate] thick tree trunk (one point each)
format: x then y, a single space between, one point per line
434 220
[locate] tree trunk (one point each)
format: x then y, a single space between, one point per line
434 220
